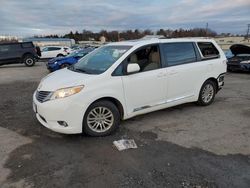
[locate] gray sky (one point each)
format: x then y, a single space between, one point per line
30 17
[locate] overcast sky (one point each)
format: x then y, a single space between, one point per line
30 17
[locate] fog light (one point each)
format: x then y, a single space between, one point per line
62 123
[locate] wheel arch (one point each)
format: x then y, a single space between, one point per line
25 54
115 101
60 54
215 81
63 63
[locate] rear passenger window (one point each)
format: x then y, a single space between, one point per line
208 50
53 48
27 45
15 47
4 48
179 53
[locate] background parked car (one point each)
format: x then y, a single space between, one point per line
54 51
240 61
18 53
61 62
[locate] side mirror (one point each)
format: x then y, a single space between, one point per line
133 68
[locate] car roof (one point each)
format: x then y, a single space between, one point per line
56 46
13 43
156 40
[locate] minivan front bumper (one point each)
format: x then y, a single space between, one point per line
51 113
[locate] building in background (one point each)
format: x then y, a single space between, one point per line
41 42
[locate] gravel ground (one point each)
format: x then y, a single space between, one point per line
185 146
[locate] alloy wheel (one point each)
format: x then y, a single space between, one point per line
207 93
100 119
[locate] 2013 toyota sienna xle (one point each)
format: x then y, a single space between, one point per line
124 79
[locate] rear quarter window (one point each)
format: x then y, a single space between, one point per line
208 50
10 47
179 53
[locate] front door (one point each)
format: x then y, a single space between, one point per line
146 88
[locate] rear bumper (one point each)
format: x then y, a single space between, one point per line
220 80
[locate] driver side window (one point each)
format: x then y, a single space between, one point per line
148 58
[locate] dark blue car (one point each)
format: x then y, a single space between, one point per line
240 59
61 62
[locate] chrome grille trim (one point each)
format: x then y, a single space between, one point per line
43 96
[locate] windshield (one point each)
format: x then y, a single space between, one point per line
73 54
100 60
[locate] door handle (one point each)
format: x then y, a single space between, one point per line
161 74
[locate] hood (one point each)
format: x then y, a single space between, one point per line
62 79
240 49
56 59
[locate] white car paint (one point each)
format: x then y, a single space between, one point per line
137 93
54 51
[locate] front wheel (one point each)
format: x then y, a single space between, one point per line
101 119
207 93
29 60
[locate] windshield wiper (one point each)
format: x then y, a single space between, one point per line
77 69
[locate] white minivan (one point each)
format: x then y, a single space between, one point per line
125 79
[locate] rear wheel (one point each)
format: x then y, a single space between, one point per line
60 55
29 60
207 93
101 119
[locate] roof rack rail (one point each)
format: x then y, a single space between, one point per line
147 37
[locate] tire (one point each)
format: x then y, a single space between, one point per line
93 123
64 65
207 93
29 60
60 55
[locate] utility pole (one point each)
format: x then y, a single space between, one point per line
118 36
206 29
248 29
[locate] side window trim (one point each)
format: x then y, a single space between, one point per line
197 52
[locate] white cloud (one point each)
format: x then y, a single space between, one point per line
60 16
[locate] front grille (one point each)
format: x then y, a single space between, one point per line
43 96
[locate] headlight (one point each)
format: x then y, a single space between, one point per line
245 62
66 92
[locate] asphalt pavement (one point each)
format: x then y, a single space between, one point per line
184 146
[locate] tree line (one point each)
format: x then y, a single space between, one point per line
113 36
